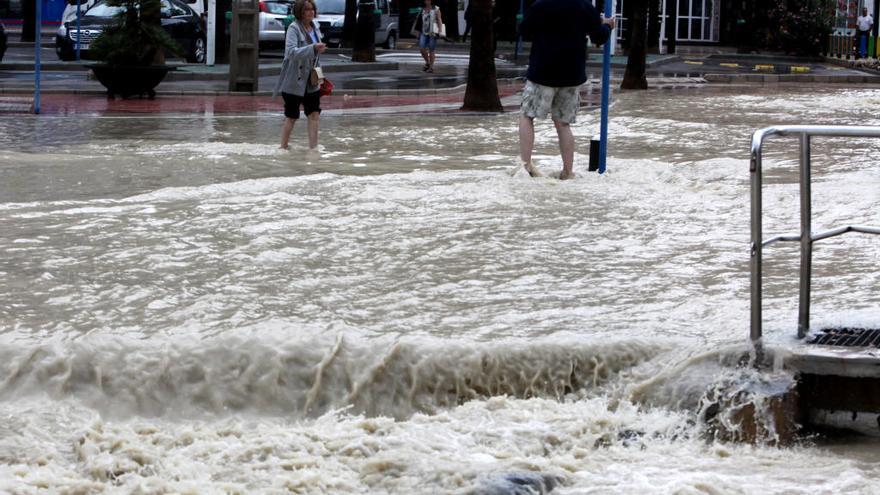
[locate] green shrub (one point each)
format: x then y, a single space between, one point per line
801 26
137 37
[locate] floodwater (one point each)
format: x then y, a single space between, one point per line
186 309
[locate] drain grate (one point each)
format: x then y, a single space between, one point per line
847 337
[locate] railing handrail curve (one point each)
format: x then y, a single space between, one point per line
806 236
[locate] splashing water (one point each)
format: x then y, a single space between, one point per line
190 310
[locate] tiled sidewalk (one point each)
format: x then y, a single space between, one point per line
339 102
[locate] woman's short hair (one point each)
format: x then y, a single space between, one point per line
300 6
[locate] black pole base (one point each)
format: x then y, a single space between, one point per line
594 155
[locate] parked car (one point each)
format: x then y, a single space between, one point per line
181 22
331 17
200 6
69 14
272 16
3 40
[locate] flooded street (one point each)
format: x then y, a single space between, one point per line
186 308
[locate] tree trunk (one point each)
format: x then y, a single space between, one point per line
29 19
671 26
481 94
627 12
634 77
365 34
349 26
654 25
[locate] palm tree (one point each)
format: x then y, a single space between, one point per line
482 88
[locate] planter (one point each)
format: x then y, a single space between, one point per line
129 80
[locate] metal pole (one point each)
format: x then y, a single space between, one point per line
212 32
755 254
606 88
78 39
806 239
37 47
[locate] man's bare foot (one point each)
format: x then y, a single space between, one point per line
566 175
284 147
530 168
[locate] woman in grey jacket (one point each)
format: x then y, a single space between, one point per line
301 50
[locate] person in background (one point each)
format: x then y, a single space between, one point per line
428 25
557 68
864 24
301 50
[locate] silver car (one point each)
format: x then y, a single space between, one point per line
331 17
272 20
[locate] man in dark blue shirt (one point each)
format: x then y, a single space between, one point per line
557 67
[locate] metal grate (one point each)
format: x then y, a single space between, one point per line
847 337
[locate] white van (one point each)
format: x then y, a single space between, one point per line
331 17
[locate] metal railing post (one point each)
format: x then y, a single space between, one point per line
756 247
806 238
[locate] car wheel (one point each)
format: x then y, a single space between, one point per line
391 42
198 53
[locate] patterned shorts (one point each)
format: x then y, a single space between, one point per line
561 103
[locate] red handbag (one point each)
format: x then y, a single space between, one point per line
326 87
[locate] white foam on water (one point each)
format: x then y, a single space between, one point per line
302 377
590 445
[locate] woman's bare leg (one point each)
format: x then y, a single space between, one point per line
314 117
286 129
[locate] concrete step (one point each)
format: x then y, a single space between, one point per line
16 104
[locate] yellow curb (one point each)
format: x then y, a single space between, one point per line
693 62
799 68
764 67
729 65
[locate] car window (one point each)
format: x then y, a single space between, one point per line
186 8
170 9
382 5
103 10
331 7
277 8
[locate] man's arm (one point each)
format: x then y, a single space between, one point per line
598 27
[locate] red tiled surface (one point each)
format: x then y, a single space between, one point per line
73 103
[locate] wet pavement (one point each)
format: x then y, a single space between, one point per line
400 70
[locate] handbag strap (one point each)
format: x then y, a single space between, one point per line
311 41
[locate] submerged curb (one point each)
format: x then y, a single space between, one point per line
791 78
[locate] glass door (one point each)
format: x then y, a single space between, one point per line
695 20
